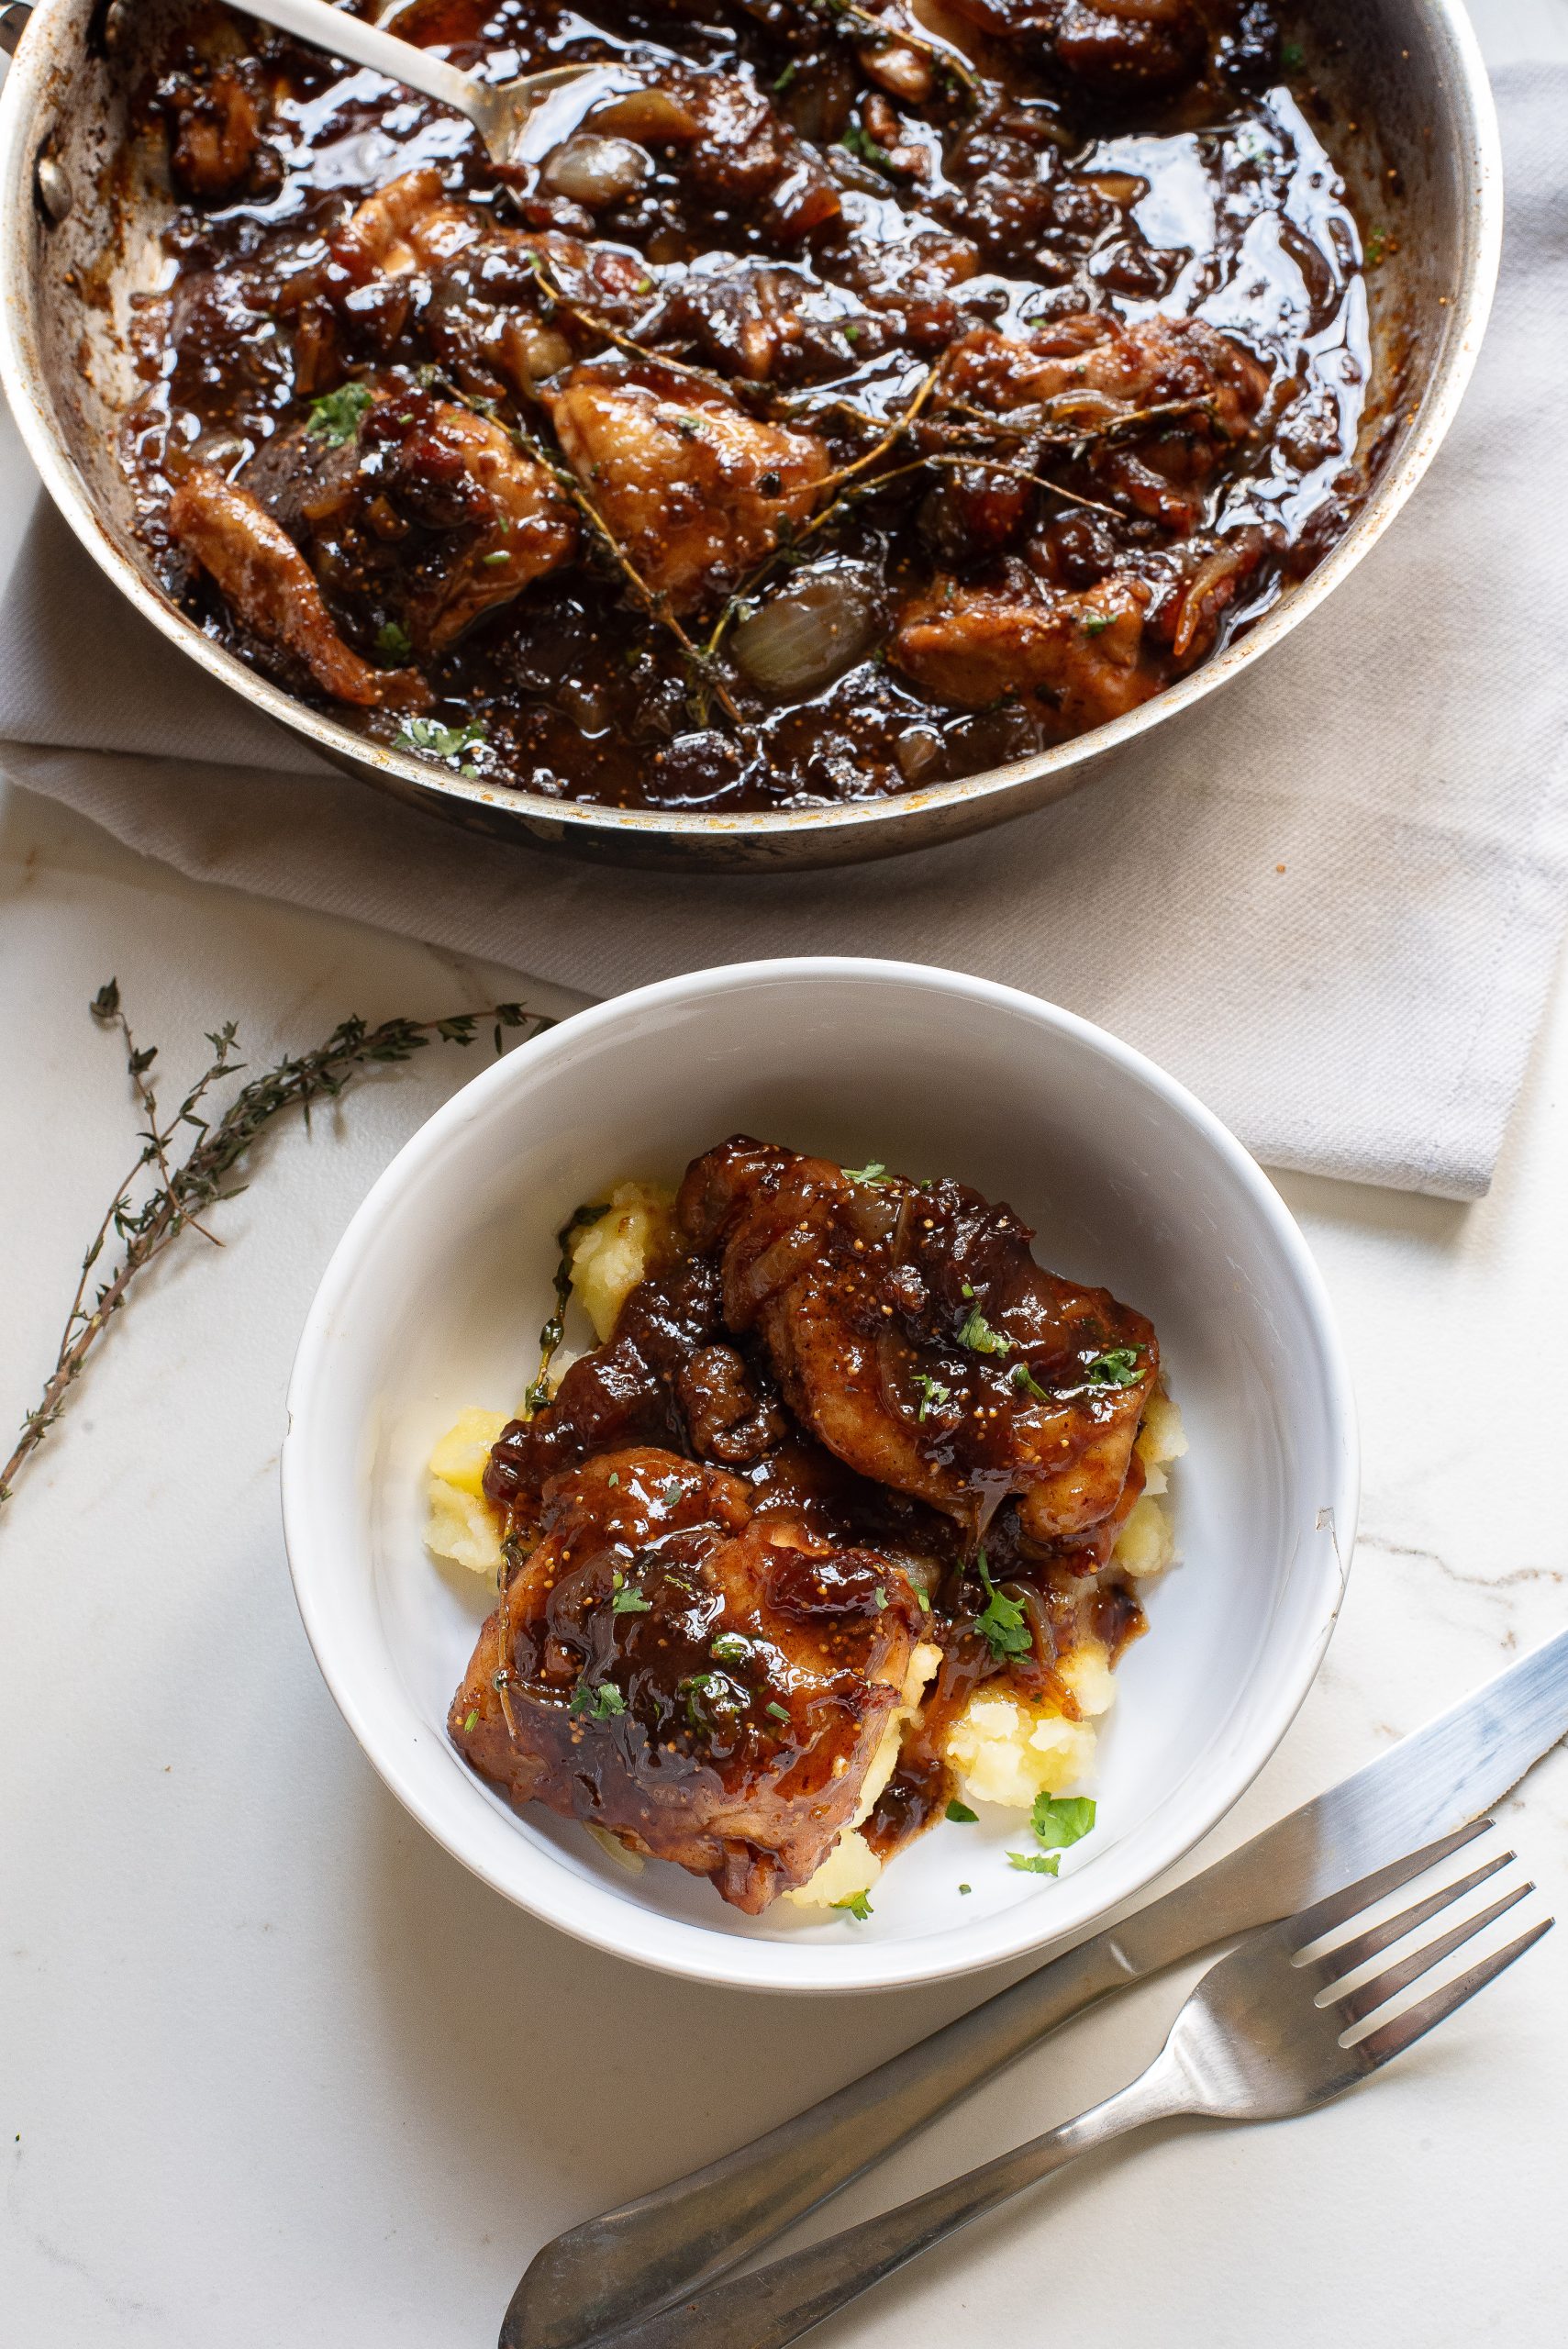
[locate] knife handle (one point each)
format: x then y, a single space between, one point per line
634 2260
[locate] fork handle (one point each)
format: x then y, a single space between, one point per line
340 35
779 2303
599 2276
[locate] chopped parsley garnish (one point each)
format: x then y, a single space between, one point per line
966 1887
1026 1383
855 141
600 1704
778 1711
1292 57
689 427
336 416
1003 1623
857 1904
1377 246
783 81
501 555
933 1391
393 641
872 1173
671 1492
1118 1368
440 742
707 1693
1035 1863
469 1722
1060 1819
880 1597
960 1814
626 1599
614 1478
1095 623
730 1647
980 1337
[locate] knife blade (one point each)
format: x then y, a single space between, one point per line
635 2260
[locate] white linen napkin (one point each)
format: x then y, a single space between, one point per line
1330 900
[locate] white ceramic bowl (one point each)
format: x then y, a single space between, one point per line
440 1285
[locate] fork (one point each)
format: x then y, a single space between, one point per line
502 112
1261 2038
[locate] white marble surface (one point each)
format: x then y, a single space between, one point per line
273 2069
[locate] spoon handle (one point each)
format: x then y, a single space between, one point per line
344 35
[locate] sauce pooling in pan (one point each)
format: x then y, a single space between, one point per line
840 400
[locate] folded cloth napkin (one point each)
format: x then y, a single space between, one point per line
1330 900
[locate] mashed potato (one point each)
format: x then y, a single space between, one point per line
851 1866
612 1254
609 1256
461 1523
1003 1748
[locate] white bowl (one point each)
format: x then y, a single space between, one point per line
440 1285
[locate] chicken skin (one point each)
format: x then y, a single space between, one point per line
1117 48
705 1680
1079 653
913 1333
695 489
1155 407
266 580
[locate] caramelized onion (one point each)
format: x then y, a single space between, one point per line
809 635
652 116
596 172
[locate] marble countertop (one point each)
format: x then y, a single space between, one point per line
273 2068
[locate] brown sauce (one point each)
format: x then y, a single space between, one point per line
972 584
733 1523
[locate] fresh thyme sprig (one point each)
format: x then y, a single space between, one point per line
164 1195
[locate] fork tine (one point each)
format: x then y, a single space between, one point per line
1337 1963
1394 2038
1340 1907
1394 1978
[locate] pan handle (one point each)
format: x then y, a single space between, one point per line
14 24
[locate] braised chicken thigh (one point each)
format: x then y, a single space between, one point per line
705 1680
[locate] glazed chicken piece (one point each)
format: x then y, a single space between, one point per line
270 589
428 510
695 489
706 1681
1092 376
739 155
497 518
1078 655
1114 48
215 116
669 1375
404 226
913 1332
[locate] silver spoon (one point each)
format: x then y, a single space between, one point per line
501 112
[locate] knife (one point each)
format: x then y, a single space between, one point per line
635 2260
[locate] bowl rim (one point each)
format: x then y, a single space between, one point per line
597 1911
848 829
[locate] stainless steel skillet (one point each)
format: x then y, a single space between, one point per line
80 222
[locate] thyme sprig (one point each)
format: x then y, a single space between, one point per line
165 1194
868 31
702 673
